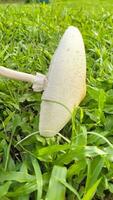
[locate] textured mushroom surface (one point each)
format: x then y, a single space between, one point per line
66 83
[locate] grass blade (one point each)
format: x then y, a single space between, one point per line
4 188
24 189
94 168
90 193
16 176
39 179
56 190
70 188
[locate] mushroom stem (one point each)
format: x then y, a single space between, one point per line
9 73
37 80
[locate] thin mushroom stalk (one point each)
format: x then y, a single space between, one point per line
39 80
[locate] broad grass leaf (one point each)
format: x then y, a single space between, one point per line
16 176
30 97
69 187
5 198
24 167
110 185
109 97
56 190
90 193
93 139
77 153
24 189
26 197
17 121
81 138
7 120
46 153
52 149
108 123
4 188
94 169
92 151
39 179
101 100
109 153
76 168
93 92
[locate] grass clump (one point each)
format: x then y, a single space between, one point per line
80 164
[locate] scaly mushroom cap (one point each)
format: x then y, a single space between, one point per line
66 83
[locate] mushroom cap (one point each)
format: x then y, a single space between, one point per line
66 83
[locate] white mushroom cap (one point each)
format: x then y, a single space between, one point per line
66 83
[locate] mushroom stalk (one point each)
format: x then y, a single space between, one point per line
38 80
16 75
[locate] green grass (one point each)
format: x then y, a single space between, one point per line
78 166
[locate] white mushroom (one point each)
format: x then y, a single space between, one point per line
66 83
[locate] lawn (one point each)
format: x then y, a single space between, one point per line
78 166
